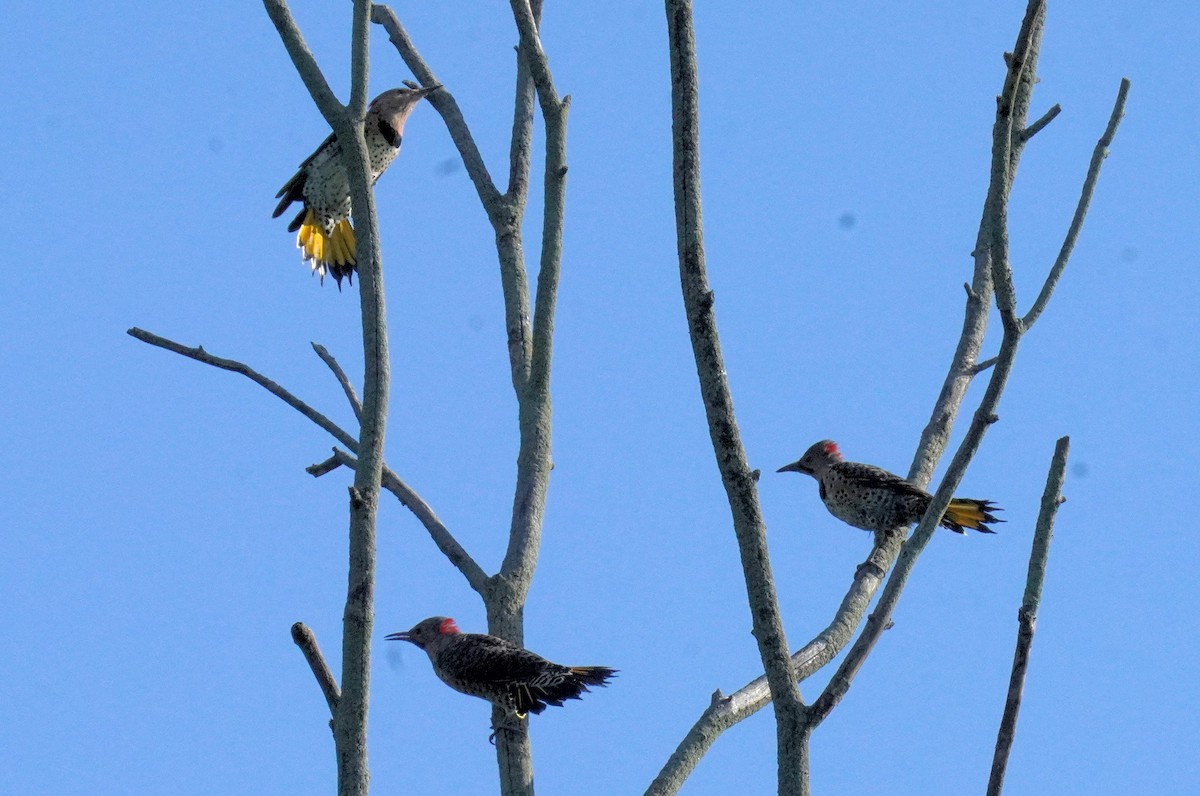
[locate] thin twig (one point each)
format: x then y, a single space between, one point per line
1018 91
392 482
740 487
504 212
1081 209
426 515
324 468
1027 617
307 642
306 66
343 379
980 367
440 534
443 102
200 355
521 144
360 38
1036 127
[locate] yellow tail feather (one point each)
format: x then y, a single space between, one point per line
965 514
969 513
334 252
343 233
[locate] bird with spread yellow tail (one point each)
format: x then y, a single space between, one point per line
325 235
873 499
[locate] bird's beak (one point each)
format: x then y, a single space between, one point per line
427 90
794 467
398 636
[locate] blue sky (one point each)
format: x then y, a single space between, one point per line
160 534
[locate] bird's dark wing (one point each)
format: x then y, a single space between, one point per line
870 476
490 659
531 681
293 189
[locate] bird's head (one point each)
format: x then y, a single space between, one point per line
816 460
427 631
394 105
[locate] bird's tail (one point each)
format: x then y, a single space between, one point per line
968 513
592 675
557 687
333 252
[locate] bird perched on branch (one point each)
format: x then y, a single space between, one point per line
499 671
873 499
325 235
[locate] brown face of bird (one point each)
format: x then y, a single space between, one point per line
395 104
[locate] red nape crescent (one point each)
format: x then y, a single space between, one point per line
448 628
832 449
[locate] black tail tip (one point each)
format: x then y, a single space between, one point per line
594 675
340 272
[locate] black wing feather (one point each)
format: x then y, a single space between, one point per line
293 189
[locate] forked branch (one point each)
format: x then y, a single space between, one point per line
393 483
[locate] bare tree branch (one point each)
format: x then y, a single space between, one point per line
521 144
534 461
504 213
980 367
306 66
307 642
1027 617
740 487
880 618
1045 119
1018 88
440 534
360 63
340 375
725 711
994 235
325 467
1085 201
444 103
200 355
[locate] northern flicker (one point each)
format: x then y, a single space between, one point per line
497 670
873 499
325 235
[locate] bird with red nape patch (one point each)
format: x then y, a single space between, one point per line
489 667
873 499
